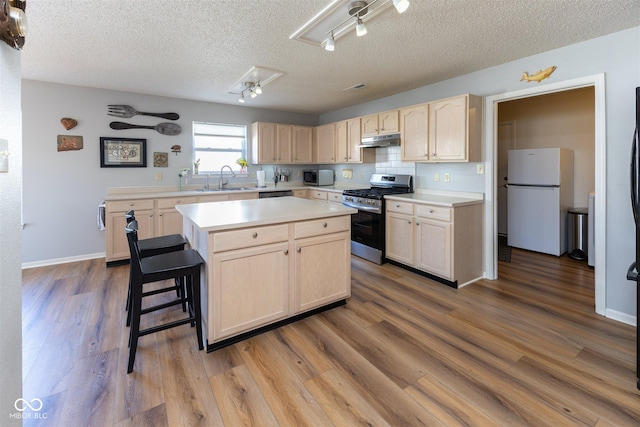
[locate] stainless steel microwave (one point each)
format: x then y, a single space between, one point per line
318 177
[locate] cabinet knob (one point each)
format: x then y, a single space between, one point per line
324 225
299 250
286 251
430 210
255 235
409 222
417 223
433 154
131 204
397 206
161 214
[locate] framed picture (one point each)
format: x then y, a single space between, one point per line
123 153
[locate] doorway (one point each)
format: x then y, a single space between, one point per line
491 181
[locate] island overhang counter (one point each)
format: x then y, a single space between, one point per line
267 262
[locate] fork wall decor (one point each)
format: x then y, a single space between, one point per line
127 111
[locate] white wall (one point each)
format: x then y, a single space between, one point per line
62 189
10 238
618 56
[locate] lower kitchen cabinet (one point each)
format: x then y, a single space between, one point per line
321 274
443 241
250 288
169 220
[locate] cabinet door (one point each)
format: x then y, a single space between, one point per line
433 249
414 127
250 288
169 221
369 125
326 143
264 142
302 144
354 152
388 122
448 129
399 238
117 245
284 138
322 270
341 142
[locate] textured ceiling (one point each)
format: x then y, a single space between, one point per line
198 49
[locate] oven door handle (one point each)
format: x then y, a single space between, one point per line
373 209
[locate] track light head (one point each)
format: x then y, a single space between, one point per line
361 30
401 5
258 88
241 99
330 44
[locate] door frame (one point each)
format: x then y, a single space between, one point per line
596 81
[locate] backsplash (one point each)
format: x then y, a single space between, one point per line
388 161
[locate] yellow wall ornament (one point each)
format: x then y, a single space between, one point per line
539 76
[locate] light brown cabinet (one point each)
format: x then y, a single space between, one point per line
325 143
326 195
348 141
414 129
156 217
447 130
380 124
272 143
302 144
443 241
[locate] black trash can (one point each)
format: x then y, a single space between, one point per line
577 225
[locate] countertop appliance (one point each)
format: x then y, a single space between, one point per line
368 224
539 194
318 177
632 273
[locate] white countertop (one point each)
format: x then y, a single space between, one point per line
445 200
229 215
127 193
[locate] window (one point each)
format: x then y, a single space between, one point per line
216 145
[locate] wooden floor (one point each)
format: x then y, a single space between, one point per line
526 349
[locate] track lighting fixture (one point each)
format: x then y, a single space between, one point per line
401 5
330 45
357 10
361 30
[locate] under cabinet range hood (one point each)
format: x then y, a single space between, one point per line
381 141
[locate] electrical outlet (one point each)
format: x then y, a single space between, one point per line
447 177
159 176
480 168
436 177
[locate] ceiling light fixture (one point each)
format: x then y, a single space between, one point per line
357 10
361 30
330 45
252 82
401 5
258 88
241 99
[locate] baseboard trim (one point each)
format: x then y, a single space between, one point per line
621 317
65 260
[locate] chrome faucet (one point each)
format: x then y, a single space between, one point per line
223 181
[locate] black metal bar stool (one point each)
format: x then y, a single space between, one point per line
156 246
184 265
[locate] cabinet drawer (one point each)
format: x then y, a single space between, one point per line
236 239
433 212
334 197
319 227
125 205
301 193
171 202
399 207
318 195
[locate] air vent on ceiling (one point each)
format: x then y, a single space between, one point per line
355 87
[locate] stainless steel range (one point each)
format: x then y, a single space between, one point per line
368 225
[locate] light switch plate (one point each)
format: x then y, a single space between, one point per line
447 177
436 177
347 173
4 156
480 168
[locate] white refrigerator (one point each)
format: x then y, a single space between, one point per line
539 194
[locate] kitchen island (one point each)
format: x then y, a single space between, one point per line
267 262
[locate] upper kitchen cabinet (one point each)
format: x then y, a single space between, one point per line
302 144
380 124
448 130
325 143
414 132
455 129
272 143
